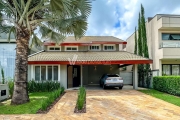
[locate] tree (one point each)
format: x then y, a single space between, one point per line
135 47
2 75
145 46
53 19
140 52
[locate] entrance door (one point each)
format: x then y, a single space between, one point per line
73 76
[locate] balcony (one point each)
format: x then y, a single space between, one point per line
170 44
170 50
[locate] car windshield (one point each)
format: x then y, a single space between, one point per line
112 75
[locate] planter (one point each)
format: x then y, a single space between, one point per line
4 92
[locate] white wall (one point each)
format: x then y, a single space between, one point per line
63 76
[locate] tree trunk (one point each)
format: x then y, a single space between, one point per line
20 93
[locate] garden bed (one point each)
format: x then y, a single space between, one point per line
51 106
39 100
83 110
81 101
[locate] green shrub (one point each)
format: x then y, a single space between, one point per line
38 86
43 86
81 98
168 84
11 87
55 94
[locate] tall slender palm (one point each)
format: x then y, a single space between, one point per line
53 19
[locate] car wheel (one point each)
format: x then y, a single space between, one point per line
104 87
120 87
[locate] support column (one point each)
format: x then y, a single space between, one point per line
59 73
32 72
81 75
160 68
135 76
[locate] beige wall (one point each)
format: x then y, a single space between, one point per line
154 29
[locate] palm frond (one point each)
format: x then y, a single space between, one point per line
12 30
48 33
35 41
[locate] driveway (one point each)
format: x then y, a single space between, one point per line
106 105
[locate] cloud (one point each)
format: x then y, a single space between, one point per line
119 17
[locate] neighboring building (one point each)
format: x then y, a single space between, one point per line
8 54
82 62
163 39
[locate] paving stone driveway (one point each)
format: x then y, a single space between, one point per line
107 105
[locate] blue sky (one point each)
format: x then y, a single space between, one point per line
119 17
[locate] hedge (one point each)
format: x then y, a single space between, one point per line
168 84
37 86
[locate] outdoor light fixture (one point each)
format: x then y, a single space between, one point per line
94 67
111 67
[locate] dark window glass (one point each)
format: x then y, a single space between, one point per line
43 72
3 92
68 48
98 47
170 36
55 72
105 47
57 48
37 72
166 70
51 48
49 72
112 75
175 69
74 48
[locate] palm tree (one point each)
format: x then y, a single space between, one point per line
52 19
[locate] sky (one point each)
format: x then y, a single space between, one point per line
120 17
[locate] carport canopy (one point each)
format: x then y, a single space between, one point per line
87 58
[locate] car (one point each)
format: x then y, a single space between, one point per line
111 80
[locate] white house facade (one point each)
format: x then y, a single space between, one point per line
82 62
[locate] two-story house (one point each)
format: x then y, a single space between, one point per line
82 62
163 38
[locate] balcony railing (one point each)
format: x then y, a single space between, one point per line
170 45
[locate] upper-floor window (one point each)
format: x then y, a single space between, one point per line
94 48
109 47
170 36
52 48
71 48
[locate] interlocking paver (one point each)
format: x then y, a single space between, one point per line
107 105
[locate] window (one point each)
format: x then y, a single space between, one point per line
170 36
72 48
43 72
170 69
37 72
175 69
166 70
94 47
52 48
109 47
49 73
46 72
